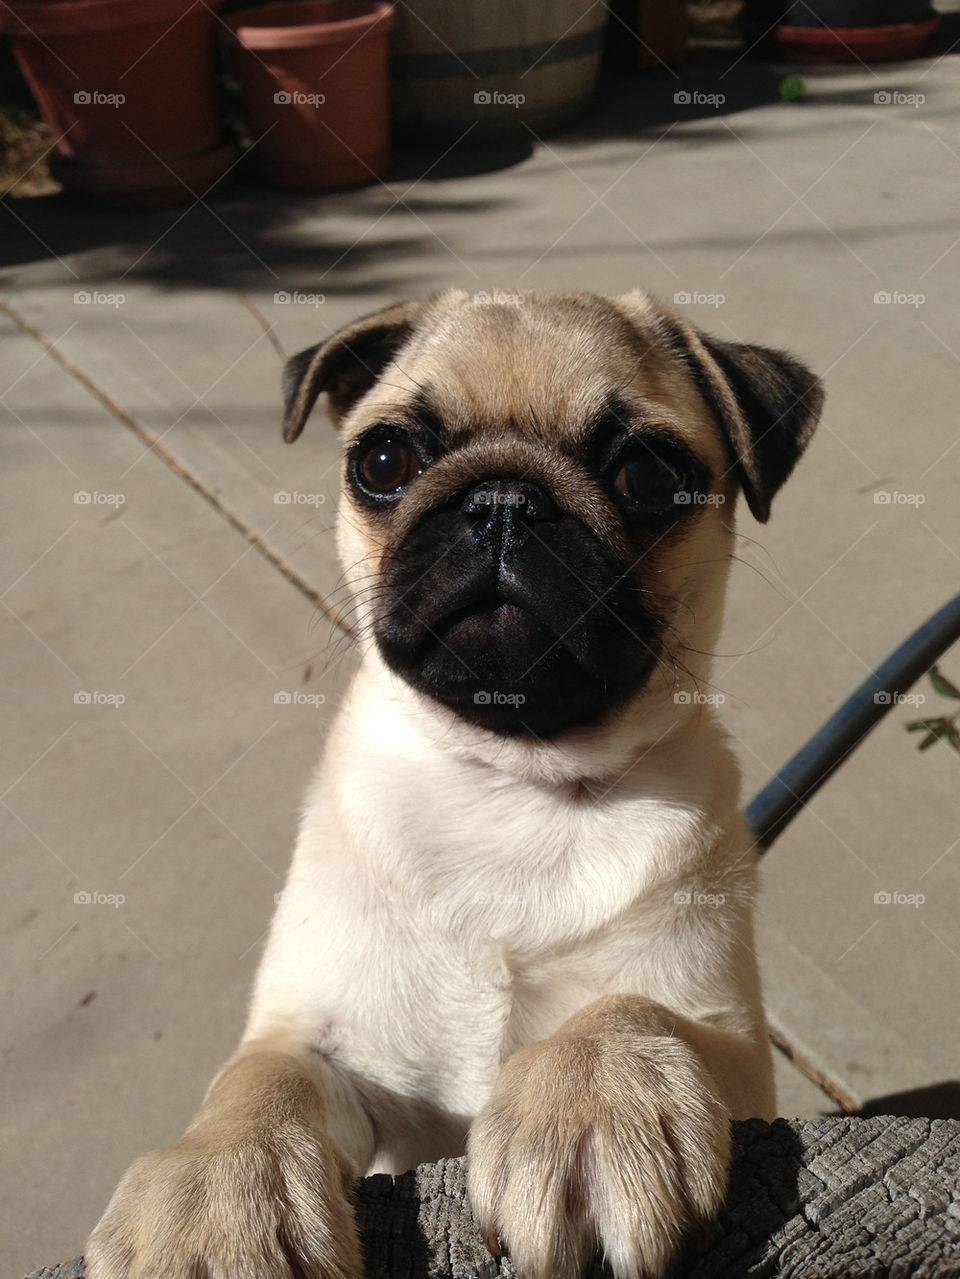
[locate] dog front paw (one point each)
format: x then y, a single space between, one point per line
252 1205
590 1142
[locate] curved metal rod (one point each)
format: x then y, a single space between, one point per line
771 811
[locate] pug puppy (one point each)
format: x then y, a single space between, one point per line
518 917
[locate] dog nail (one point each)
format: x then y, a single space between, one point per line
494 1244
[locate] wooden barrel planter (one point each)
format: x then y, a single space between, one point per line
499 68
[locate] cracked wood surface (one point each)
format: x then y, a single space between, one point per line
835 1198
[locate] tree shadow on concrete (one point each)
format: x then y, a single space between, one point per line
245 236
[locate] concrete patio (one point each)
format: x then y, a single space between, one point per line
149 776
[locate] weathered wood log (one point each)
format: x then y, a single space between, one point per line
832 1198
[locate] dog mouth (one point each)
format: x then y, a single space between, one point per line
503 608
511 643
538 635
501 621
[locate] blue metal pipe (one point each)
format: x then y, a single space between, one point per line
771 811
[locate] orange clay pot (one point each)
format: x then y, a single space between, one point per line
128 90
314 81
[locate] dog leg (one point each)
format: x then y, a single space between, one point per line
611 1133
256 1188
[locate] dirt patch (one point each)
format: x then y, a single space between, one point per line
24 143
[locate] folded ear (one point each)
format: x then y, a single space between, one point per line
346 365
766 402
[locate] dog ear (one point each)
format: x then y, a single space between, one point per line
346 365
766 402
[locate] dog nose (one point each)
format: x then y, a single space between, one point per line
505 503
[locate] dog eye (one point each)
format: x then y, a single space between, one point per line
387 467
650 480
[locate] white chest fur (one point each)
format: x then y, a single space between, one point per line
440 912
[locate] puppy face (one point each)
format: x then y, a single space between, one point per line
537 497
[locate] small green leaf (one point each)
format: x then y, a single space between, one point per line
928 725
944 730
942 685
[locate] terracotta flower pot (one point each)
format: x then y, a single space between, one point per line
816 31
128 88
890 43
314 81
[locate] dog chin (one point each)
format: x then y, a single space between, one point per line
502 669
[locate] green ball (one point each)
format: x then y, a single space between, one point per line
792 88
